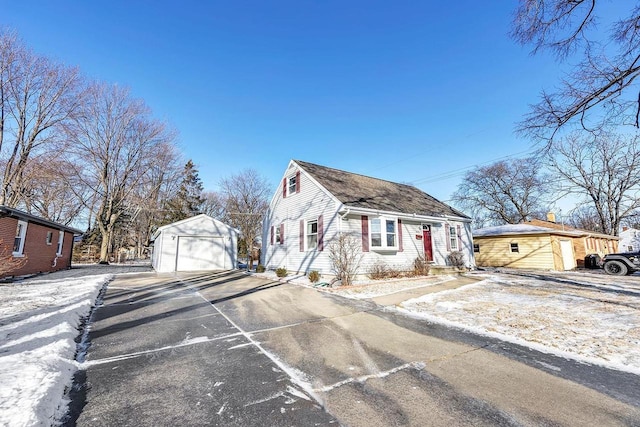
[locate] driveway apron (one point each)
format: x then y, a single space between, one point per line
161 354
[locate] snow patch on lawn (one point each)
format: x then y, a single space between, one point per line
587 320
39 321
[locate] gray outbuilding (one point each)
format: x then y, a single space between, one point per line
197 243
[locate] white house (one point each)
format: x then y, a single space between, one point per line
629 240
196 243
395 223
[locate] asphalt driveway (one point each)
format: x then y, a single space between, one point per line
229 349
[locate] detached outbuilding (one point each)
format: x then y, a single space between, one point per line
197 243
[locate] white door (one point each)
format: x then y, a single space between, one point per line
200 253
568 260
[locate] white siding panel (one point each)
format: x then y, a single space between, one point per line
308 204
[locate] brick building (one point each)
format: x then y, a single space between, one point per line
45 245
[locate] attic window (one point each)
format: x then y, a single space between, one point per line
292 184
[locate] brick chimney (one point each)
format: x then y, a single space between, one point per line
551 217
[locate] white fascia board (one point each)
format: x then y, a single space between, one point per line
413 217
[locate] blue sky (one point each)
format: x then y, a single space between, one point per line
404 91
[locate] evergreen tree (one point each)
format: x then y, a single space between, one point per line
188 200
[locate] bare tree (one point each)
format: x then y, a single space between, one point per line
246 196
160 183
114 144
47 189
584 217
345 254
598 90
37 98
506 192
213 204
605 170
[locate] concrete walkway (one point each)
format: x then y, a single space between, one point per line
399 297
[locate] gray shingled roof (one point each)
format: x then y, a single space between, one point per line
359 191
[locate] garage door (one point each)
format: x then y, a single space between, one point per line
200 253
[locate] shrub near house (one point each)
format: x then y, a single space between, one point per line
392 223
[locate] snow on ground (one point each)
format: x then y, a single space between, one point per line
39 320
582 315
588 317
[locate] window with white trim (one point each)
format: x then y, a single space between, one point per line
60 242
453 238
49 237
312 234
292 185
383 232
278 236
18 242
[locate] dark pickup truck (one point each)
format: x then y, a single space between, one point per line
621 264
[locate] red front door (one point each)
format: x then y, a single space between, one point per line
426 241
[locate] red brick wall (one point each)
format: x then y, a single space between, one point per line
40 256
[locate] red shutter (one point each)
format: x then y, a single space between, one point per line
272 231
459 238
365 233
282 233
400 248
320 234
447 236
298 182
301 235
284 188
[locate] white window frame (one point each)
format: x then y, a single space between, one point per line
453 237
292 182
384 234
60 243
278 237
21 233
309 234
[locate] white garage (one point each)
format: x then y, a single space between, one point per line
197 243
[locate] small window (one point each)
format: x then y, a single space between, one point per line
49 237
514 247
60 242
278 237
312 234
476 248
376 233
453 238
293 184
391 233
630 248
18 242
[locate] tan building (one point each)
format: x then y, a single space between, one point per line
532 246
588 242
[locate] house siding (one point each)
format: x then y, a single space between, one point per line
40 256
312 201
535 252
308 203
